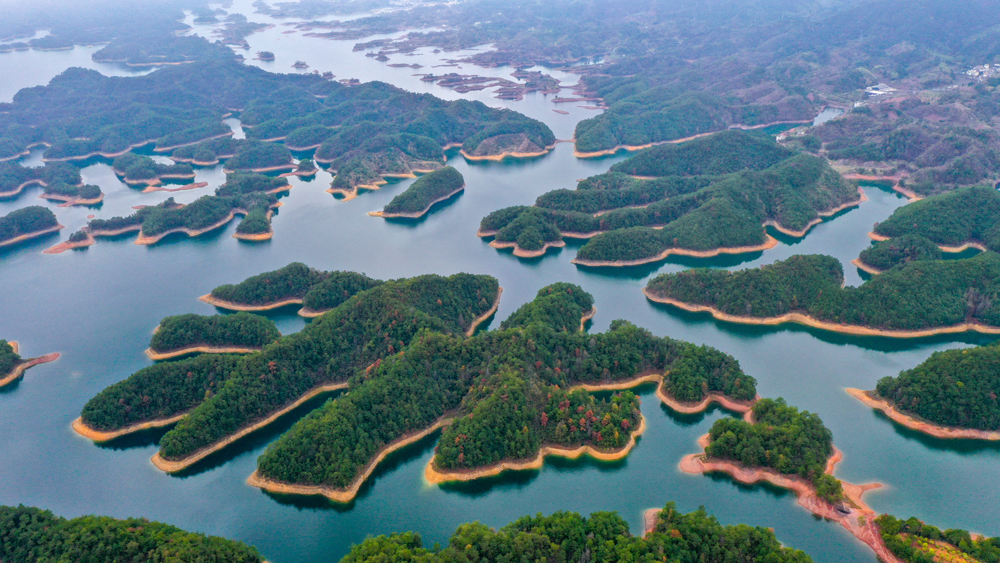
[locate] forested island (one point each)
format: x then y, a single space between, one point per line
221 334
13 366
950 395
254 196
531 381
27 223
967 217
429 189
919 298
136 169
702 198
14 178
377 344
32 535
295 284
603 536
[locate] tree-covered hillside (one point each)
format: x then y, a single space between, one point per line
240 330
968 215
603 536
32 535
712 193
916 296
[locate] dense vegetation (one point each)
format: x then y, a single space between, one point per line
367 130
32 535
240 183
8 358
25 221
603 536
364 329
714 192
200 214
952 388
160 391
239 330
507 390
82 191
951 219
901 250
917 295
136 167
319 291
781 438
13 175
426 190
915 542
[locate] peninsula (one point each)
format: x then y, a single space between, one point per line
428 190
27 223
13 366
239 333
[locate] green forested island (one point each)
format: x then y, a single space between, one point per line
82 194
240 330
295 283
703 197
141 169
8 359
378 344
603 536
781 438
32 535
953 388
429 189
27 222
508 395
915 542
14 178
897 251
915 299
965 216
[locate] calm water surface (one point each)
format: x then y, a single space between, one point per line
98 307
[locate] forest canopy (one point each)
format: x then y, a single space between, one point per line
239 330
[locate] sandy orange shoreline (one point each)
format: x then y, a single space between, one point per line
724 401
418 214
482 318
344 495
22 367
865 267
950 249
634 148
769 243
522 253
150 189
173 466
30 236
800 318
860 519
157 356
506 154
436 476
231 306
586 317
17 191
99 153
173 147
91 433
863 197
909 194
915 423
71 200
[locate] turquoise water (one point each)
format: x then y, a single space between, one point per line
99 306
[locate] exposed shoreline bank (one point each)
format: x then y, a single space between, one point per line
482 318
173 466
231 306
913 422
91 433
417 214
348 494
157 356
635 148
18 371
32 235
806 320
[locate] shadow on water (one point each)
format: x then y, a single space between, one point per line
874 343
36 244
140 439
12 386
413 222
767 487
393 461
688 420
174 238
258 439
961 447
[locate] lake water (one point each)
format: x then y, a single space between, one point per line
99 306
